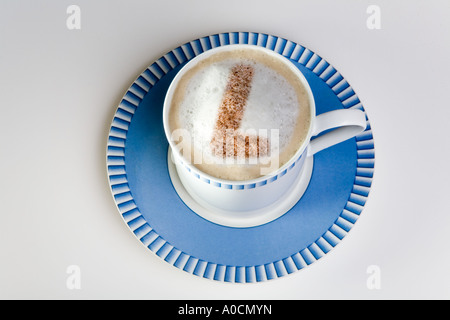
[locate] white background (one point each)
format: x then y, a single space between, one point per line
59 90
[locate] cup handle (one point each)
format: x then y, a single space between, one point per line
348 123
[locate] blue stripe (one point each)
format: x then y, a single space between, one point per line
262 39
156 71
199 268
309 258
156 244
299 54
298 261
352 218
190 264
347 95
357 199
206 43
136 224
270 271
332 241
131 214
117 179
215 40
220 270
290 268
150 77
280 45
239 276
337 232
341 87
163 65
116 151
341 223
365 182
124 104
306 56
323 67
253 38
116 170
279 268
189 51
138 90
364 173
360 191
143 229
117 132
181 260
353 207
366 135
124 114
172 59
331 72
262 183
234 38
164 250
336 80
197 46
291 49
120 123
229 276
365 144
116 141
353 102
260 273
250 274
366 154
323 245
144 83
243 37
315 63
181 55
172 256
124 205
315 251
119 188
366 164
115 160
225 40
209 270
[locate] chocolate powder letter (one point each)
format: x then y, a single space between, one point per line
230 116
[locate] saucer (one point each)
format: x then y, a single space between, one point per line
179 231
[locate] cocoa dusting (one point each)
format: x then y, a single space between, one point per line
226 140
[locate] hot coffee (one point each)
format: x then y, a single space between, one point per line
240 114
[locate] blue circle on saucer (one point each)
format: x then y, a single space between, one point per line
142 189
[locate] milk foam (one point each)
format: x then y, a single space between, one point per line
273 103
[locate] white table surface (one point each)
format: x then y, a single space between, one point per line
59 90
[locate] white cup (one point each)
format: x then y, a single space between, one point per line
247 197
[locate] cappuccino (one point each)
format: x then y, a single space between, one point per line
239 114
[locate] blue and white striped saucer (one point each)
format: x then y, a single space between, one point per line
139 177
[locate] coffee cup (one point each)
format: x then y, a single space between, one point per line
243 195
